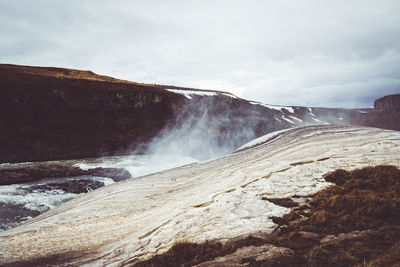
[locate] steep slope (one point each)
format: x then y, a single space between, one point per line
222 199
51 113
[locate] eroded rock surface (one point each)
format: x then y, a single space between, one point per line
221 199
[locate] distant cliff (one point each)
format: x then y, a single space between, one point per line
386 113
389 102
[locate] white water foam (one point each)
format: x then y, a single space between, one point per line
40 200
19 202
139 165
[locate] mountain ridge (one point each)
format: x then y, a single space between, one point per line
56 113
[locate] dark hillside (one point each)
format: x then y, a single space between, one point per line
55 113
72 114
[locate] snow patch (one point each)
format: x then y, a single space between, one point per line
230 95
295 118
188 93
290 109
288 120
261 140
313 134
319 121
275 107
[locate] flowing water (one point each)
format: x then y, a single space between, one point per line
20 202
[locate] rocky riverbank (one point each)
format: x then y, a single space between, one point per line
29 189
32 172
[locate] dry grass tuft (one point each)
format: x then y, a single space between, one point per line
284 202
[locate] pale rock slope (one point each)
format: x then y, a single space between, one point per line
220 199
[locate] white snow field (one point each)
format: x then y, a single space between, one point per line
218 199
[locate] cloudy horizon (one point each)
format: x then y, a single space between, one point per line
308 53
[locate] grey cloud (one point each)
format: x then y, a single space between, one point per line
341 53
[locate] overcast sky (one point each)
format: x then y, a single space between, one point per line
308 52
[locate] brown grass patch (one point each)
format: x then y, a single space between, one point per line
188 254
363 199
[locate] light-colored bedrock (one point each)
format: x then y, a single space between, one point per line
219 199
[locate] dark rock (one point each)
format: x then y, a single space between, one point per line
385 119
284 202
72 186
12 214
389 102
386 114
38 171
